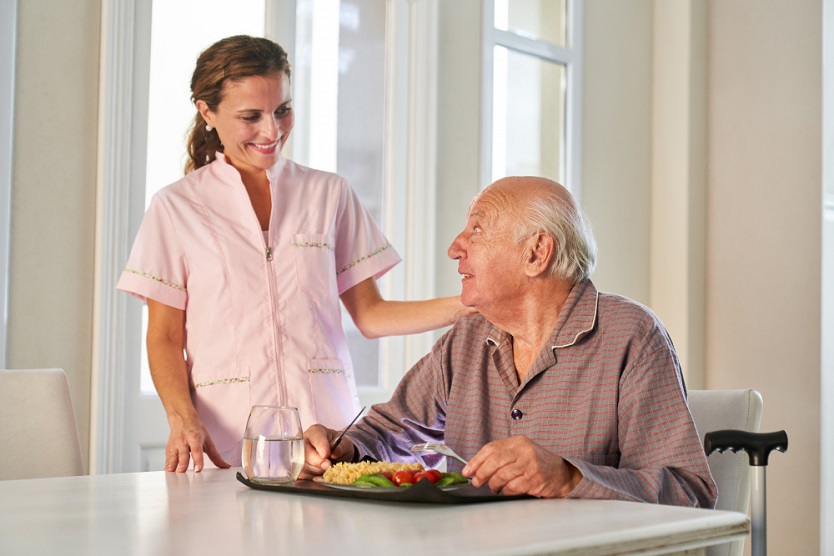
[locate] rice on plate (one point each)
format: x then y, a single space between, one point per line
346 473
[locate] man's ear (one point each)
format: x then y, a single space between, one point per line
540 250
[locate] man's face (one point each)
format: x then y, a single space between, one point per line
489 259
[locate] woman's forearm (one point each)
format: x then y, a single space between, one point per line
165 357
376 317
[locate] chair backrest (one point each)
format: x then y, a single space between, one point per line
38 434
728 409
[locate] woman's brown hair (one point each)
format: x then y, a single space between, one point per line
230 59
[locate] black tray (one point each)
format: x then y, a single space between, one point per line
423 492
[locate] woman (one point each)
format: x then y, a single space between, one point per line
243 263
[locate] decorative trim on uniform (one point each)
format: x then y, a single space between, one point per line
326 371
366 257
310 244
235 380
156 279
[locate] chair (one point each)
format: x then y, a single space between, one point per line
715 410
38 434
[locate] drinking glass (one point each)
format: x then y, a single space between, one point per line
273 445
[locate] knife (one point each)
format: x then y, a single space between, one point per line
339 439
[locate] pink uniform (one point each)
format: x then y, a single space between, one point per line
262 311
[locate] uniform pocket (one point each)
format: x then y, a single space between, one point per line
223 405
334 393
315 264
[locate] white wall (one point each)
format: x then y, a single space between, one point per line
763 240
617 141
53 193
458 128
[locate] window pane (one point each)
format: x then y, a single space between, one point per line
360 136
528 129
340 75
174 51
535 19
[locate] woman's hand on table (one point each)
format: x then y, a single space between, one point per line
190 439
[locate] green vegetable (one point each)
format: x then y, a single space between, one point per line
364 480
459 479
373 479
451 478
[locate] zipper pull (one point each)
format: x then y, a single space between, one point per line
268 253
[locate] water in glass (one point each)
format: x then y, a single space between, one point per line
273 460
273 445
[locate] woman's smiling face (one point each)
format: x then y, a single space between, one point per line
253 120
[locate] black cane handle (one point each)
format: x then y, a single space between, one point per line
758 445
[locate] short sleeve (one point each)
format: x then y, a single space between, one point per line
157 266
362 250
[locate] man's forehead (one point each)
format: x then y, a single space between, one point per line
482 211
488 205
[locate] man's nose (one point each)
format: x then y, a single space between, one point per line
455 251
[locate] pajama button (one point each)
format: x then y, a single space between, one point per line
516 414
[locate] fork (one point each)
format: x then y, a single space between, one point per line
437 448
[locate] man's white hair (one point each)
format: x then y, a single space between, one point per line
556 213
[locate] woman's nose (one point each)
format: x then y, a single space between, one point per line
269 127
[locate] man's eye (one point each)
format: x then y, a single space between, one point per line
476 228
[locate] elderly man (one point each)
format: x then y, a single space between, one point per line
553 389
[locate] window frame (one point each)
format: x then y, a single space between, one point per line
8 17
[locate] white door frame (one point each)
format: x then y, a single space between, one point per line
125 52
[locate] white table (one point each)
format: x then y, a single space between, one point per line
212 513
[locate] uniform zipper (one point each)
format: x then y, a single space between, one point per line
282 385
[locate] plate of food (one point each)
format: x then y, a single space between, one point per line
456 489
381 476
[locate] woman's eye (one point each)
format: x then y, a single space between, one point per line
253 118
283 111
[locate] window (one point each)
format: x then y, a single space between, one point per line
356 63
339 74
531 90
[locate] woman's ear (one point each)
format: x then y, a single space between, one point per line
540 250
205 111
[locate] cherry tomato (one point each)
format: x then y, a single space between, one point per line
402 476
434 475
386 474
431 475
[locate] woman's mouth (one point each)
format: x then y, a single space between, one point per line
267 148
